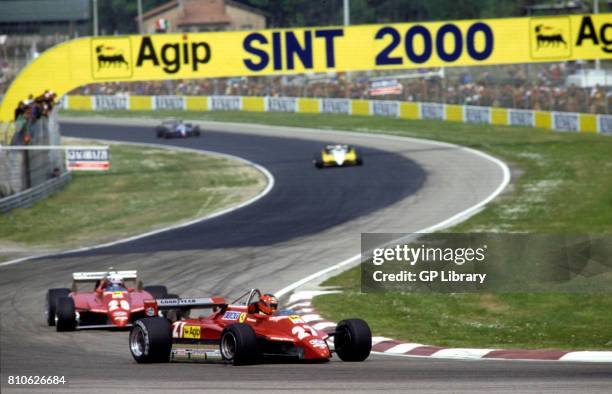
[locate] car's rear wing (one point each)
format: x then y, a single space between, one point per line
190 303
95 276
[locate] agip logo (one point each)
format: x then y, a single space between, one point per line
111 58
550 38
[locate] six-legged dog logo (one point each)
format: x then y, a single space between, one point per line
549 36
110 57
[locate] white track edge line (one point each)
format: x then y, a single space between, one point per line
263 193
463 215
569 357
488 359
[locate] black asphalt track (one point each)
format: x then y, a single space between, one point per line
261 242
304 200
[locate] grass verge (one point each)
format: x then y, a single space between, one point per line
145 189
527 321
561 184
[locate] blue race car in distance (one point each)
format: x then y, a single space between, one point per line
174 128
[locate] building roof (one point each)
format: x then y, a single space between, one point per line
44 11
247 8
159 9
201 12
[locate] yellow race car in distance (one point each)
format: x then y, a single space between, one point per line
338 156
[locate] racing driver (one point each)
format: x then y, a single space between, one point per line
267 304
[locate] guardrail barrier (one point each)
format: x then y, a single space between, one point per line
30 196
558 121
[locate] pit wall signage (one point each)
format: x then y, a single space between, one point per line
558 121
307 50
87 158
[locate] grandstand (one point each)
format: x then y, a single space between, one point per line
548 87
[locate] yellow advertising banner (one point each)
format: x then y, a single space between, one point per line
317 49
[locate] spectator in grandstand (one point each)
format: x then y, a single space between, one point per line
598 100
503 86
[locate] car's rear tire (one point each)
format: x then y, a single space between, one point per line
318 164
353 340
151 340
51 301
197 132
358 158
157 291
66 314
238 344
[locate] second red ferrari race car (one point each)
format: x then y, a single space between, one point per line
108 303
241 333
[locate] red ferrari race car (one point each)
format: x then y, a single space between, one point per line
241 333
108 303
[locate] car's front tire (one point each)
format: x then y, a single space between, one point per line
66 314
151 340
51 302
238 344
353 340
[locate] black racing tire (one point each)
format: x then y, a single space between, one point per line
358 157
157 291
318 164
159 133
151 340
238 344
50 303
197 132
66 314
353 340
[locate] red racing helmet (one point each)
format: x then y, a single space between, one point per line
267 304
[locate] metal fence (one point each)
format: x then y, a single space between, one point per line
20 170
30 196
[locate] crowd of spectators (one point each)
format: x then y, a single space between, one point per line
29 110
501 86
539 87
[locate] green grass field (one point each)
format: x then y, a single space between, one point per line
561 184
529 321
145 189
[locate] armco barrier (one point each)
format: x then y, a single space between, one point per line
30 196
558 121
22 169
